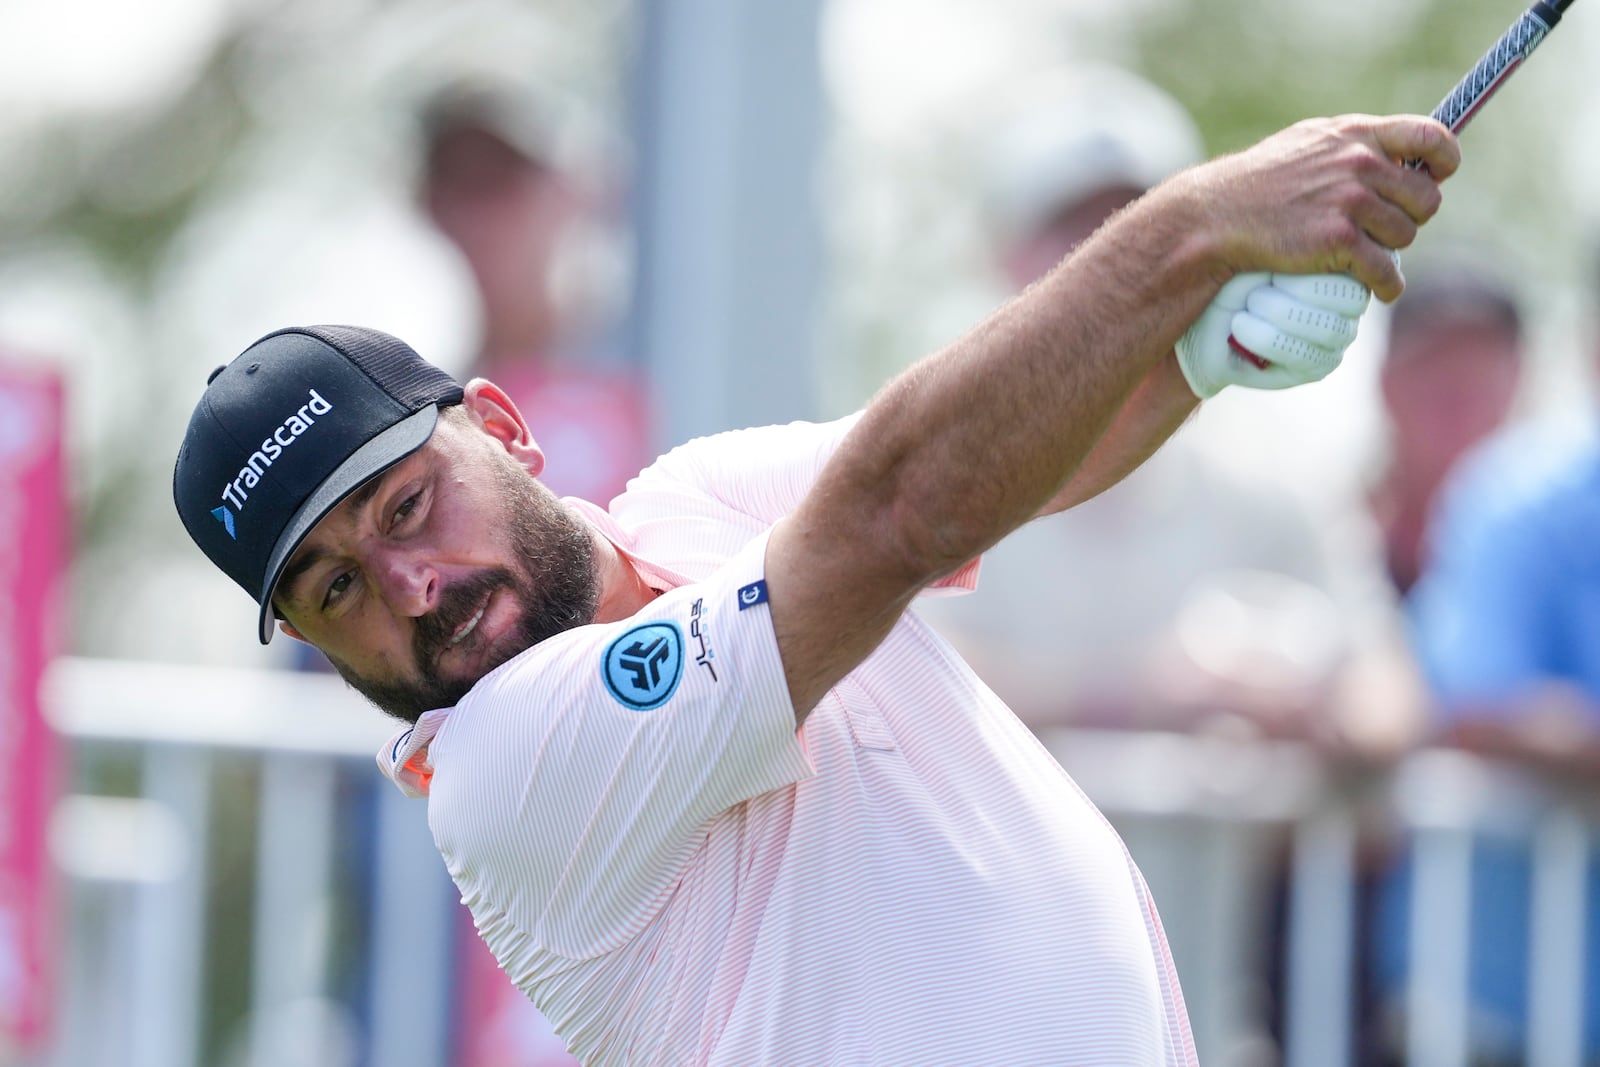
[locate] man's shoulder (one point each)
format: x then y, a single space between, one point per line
626 665
538 698
698 505
751 446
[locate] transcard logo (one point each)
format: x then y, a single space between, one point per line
642 667
288 432
224 516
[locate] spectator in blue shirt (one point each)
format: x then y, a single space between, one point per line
1505 622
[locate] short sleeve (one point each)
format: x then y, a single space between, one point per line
703 500
962 580
574 783
687 505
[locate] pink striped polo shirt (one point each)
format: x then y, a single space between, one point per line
674 875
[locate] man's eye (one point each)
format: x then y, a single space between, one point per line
337 587
405 509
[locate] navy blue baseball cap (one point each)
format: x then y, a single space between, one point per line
290 428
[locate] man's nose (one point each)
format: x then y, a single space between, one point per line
408 582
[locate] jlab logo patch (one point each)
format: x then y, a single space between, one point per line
642 667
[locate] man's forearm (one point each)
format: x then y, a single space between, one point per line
1152 413
972 442
977 439
1003 420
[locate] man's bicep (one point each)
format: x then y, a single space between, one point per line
834 598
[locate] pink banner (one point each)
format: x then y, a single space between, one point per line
32 560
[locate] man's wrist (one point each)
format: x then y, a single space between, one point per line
1204 255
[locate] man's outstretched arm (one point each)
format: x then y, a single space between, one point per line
974 440
1153 411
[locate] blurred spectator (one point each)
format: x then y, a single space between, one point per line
1506 625
496 183
1074 149
1505 619
1145 605
1450 376
1451 366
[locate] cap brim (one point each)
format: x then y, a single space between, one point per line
368 461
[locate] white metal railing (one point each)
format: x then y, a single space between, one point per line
1183 802
300 733
1206 819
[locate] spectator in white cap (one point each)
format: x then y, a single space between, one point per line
506 180
1088 617
1184 597
1056 172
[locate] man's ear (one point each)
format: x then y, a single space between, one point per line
496 415
284 627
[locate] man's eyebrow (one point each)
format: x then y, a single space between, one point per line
358 499
296 568
310 557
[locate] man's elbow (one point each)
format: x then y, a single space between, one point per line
927 547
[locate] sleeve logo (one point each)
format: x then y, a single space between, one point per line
698 633
642 667
752 594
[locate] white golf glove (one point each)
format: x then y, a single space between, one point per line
1297 325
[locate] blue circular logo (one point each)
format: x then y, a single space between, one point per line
642 667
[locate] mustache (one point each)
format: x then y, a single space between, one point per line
457 603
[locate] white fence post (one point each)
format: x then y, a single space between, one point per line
1558 941
1319 1015
294 885
412 915
169 932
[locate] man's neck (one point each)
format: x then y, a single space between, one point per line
623 591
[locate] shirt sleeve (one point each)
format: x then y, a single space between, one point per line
574 783
702 501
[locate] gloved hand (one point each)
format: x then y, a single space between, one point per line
1272 331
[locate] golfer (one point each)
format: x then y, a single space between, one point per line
711 794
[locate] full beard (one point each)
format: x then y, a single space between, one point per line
555 582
